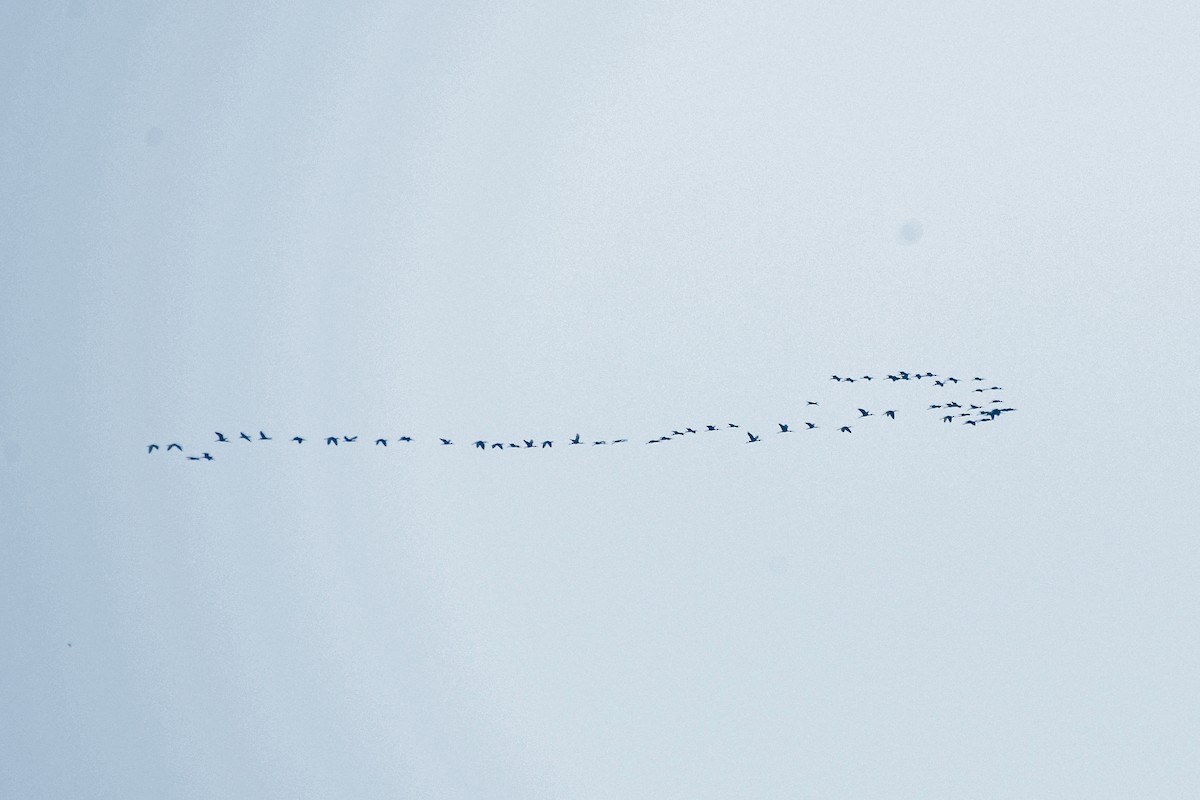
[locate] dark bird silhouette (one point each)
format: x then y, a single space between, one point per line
446 441
845 429
206 457
930 375
952 380
997 401
174 446
918 376
867 378
977 379
711 427
151 448
405 439
979 390
734 426
547 443
499 445
331 440
890 413
783 428
298 439
993 413
931 408
810 425
997 388
676 433
975 406
903 376
193 458
834 378
753 438
949 418
848 380
510 444
596 443
969 422
689 430
893 378
221 437
262 437
528 442
349 438
939 383
618 441
953 405
381 442
576 440
482 445
246 437
864 412
813 403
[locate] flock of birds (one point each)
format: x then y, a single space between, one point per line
950 411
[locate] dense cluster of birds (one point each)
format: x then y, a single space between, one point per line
949 411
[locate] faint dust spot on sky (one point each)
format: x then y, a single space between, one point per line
12 452
154 136
911 231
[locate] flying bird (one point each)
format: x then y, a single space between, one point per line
834 378
547 443
381 442
867 378
193 458
298 439
948 418
331 440
890 413
174 446
528 442
349 438
262 437
246 437
221 437
848 380
813 403
711 427
969 422
206 457
845 429
405 439
931 408
482 445
596 443
939 383
618 441
151 448
753 438
499 445
576 440
689 430
734 426
864 412
810 425
446 441
783 428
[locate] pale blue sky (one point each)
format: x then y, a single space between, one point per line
508 220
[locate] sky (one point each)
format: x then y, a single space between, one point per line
515 220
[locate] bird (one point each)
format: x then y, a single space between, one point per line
834 378
576 440
151 448
783 428
867 378
528 442
511 444
952 380
997 401
810 425
676 433
931 408
864 412
220 436
979 390
689 430
975 406
939 383
890 413
596 443
893 378
845 429
405 439
997 388
446 441
262 437
753 438
193 458
734 426
246 437
711 427
206 457
813 403
969 422
349 438
848 380
618 441
331 440
381 442
482 445
948 418
953 405
298 439
175 446
547 443
498 445
903 376
977 379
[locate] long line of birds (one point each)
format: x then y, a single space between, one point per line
949 412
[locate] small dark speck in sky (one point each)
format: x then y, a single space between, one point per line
911 231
